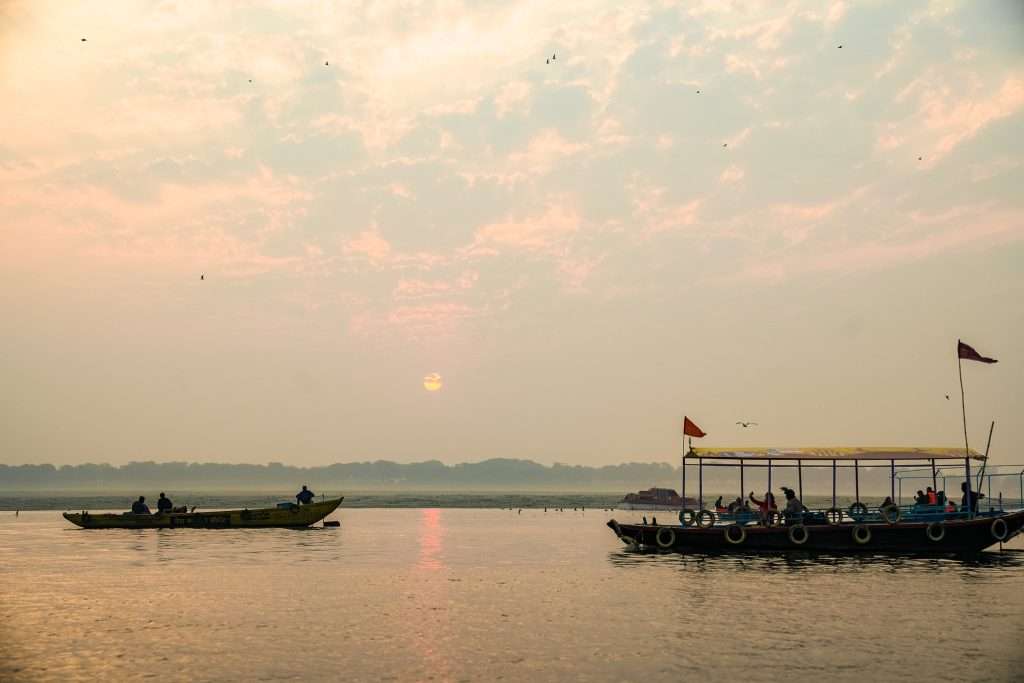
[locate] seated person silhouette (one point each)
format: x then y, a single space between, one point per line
139 507
305 496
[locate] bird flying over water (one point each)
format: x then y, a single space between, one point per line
947 397
547 61
747 424
83 40
553 56
202 277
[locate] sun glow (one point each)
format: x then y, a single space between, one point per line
432 382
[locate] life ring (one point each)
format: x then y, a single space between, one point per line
861 534
857 510
1003 530
891 514
936 531
798 534
834 515
731 538
687 517
708 516
671 537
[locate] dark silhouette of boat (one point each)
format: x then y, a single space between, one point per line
655 499
285 515
890 528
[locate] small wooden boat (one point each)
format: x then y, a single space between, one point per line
287 516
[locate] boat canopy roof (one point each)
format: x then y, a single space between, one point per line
834 453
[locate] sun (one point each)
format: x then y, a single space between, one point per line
432 382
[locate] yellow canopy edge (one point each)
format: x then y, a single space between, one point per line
835 453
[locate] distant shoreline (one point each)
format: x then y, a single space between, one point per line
116 500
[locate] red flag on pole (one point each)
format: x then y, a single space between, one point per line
968 353
690 429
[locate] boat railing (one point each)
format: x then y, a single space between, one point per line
872 514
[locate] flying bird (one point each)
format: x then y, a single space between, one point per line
547 61
947 397
747 424
725 144
326 64
203 277
919 158
698 92
553 56
839 47
83 40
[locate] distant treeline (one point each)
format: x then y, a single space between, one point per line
494 474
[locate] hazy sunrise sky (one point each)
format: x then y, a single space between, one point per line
584 250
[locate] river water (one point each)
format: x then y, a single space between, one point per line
485 595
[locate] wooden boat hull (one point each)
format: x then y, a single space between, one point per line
951 537
296 516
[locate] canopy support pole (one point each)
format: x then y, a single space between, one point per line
700 484
800 479
967 493
833 483
743 494
683 493
856 480
892 480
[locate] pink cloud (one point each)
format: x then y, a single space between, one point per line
949 114
368 245
543 232
732 174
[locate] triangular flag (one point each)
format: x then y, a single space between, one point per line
690 429
968 353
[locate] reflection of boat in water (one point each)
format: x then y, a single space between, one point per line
655 499
892 528
285 515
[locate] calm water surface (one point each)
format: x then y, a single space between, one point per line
472 595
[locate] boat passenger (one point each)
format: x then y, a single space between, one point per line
305 496
735 506
794 511
933 499
764 507
940 497
950 506
163 504
718 505
921 498
654 520
970 499
645 520
139 507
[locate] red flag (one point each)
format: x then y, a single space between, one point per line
690 429
967 353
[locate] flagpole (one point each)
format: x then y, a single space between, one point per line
963 403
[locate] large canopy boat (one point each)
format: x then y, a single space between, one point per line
288 515
889 528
